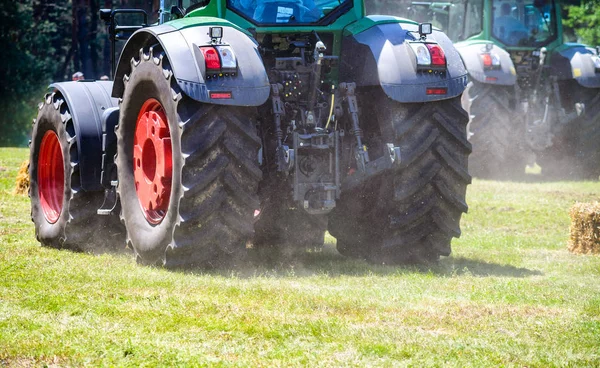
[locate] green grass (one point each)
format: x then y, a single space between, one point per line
510 295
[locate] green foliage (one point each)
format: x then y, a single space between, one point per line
32 35
511 295
585 19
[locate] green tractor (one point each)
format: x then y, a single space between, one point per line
248 125
531 97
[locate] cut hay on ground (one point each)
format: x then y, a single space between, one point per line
22 186
585 228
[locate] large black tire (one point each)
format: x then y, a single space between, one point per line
575 150
208 216
587 127
409 215
496 131
63 213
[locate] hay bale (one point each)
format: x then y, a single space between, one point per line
585 228
22 185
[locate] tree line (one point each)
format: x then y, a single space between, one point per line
48 40
45 41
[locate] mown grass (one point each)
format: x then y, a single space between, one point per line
510 295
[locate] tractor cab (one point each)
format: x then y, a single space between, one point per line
530 23
519 24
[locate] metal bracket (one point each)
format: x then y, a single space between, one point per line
391 161
110 200
282 156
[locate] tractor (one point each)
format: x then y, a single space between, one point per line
251 126
532 97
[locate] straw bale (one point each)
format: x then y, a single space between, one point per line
22 182
585 228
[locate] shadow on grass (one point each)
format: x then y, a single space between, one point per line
328 262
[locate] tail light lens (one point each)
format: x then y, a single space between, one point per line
211 58
228 59
487 60
428 55
436 91
490 60
423 56
438 58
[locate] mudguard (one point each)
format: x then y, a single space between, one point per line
470 53
181 40
380 56
87 102
574 61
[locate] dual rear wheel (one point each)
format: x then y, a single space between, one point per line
63 213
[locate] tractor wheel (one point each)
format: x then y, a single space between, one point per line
411 214
63 213
187 174
587 152
575 151
496 132
422 202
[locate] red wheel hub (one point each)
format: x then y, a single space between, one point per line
152 161
51 177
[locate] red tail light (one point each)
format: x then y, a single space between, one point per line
438 58
487 60
437 91
211 58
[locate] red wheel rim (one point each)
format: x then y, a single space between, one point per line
51 177
152 161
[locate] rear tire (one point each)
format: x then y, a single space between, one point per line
575 150
63 213
588 134
409 215
206 216
496 132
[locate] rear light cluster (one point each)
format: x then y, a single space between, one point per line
490 60
429 55
220 61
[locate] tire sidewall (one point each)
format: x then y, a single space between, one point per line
49 119
147 81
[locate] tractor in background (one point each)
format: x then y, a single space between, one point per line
243 126
532 97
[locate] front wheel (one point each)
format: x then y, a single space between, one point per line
188 176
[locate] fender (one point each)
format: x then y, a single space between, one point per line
574 61
378 55
87 102
181 39
470 53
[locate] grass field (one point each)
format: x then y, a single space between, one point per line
510 295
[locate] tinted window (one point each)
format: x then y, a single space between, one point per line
284 11
524 22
